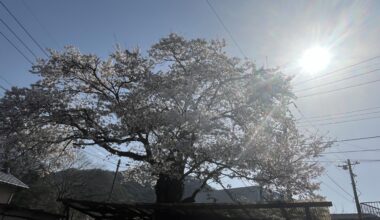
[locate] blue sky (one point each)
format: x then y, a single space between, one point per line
278 30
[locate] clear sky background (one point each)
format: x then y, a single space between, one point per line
272 33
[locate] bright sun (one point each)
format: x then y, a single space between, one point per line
315 59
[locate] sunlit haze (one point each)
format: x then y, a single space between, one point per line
315 59
328 52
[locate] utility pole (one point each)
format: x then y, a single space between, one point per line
114 179
352 175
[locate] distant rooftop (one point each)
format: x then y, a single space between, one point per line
250 194
7 178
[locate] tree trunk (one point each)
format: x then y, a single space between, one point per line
169 189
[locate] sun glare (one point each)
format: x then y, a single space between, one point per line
315 59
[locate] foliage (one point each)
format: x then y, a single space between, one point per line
184 109
30 149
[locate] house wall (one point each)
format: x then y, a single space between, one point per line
6 192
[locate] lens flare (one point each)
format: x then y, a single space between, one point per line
315 59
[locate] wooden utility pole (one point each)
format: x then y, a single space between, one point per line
352 176
114 179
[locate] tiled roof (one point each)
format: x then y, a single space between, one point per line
221 211
8 178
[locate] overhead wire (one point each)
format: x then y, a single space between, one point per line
14 46
342 113
338 81
3 88
338 185
348 70
23 27
226 28
339 89
40 23
342 161
352 151
312 125
358 139
345 121
5 80
337 117
338 70
346 140
18 38
337 192
350 198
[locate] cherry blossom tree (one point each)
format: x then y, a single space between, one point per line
30 149
184 108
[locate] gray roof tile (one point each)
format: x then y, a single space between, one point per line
8 178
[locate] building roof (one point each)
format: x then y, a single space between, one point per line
251 194
15 212
200 211
7 178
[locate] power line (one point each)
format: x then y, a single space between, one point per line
352 151
346 121
342 113
339 117
337 192
225 28
347 140
338 70
18 38
358 139
311 123
339 89
337 81
3 88
340 161
40 23
14 46
359 68
22 26
340 187
6 81
307 121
